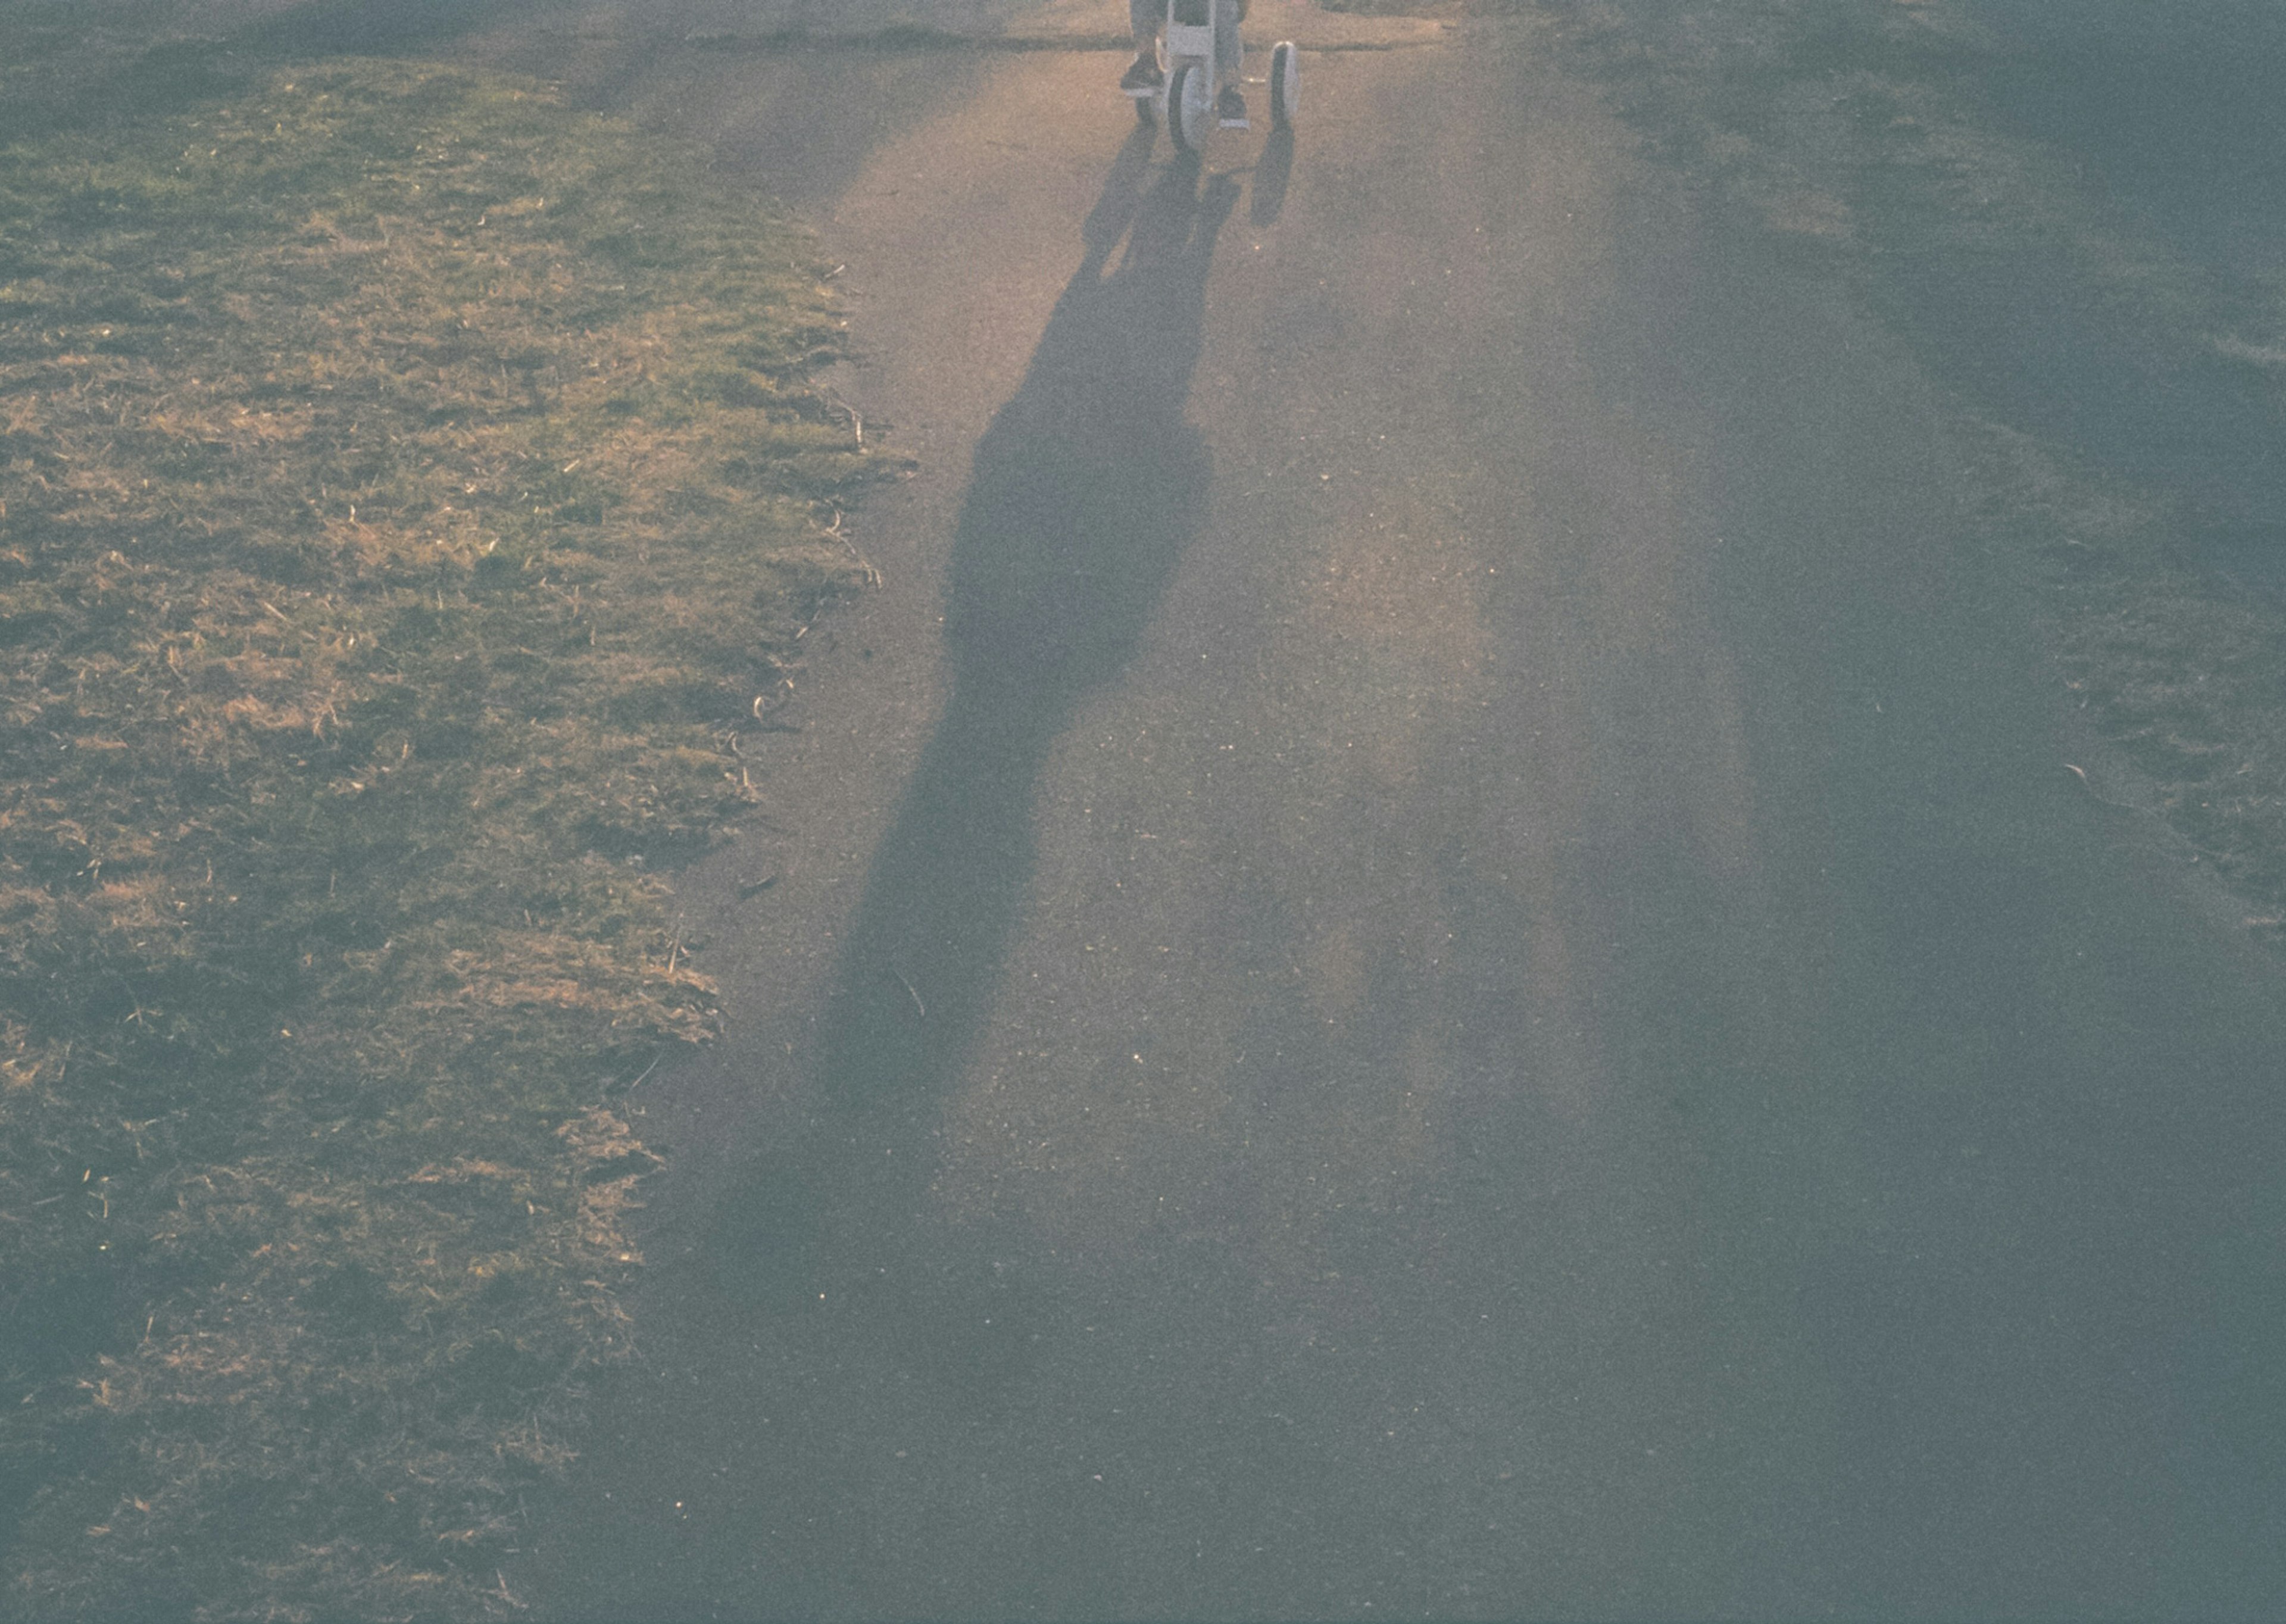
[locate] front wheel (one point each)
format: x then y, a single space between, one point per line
1190 107
1285 83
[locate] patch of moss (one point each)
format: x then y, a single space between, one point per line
410 488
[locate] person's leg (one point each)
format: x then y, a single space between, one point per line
1144 17
1230 50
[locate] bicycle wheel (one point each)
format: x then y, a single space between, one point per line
1190 107
1285 83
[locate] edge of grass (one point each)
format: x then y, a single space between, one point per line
1861 136
413 496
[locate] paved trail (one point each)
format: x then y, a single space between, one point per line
1432 952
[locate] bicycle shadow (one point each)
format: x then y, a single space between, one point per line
1083 496
1274 172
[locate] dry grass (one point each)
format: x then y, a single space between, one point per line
1869 137
2176 671
409 488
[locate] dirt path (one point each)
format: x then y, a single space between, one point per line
1430 952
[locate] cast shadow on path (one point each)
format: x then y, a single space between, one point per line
1083 493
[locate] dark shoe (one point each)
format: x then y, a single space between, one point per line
1142 77
1230 107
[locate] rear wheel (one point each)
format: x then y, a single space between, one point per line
1285 83
1190 107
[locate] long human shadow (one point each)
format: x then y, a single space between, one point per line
1083 493
1272 175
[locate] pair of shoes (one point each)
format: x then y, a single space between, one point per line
1230 107
1142 77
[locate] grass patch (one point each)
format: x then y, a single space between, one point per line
2121 383
410 486
2175 671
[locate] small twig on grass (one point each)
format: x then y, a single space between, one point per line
872 576
911 991
766 708
2088 784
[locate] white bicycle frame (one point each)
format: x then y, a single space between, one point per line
1192 76
1193 73
1195 42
